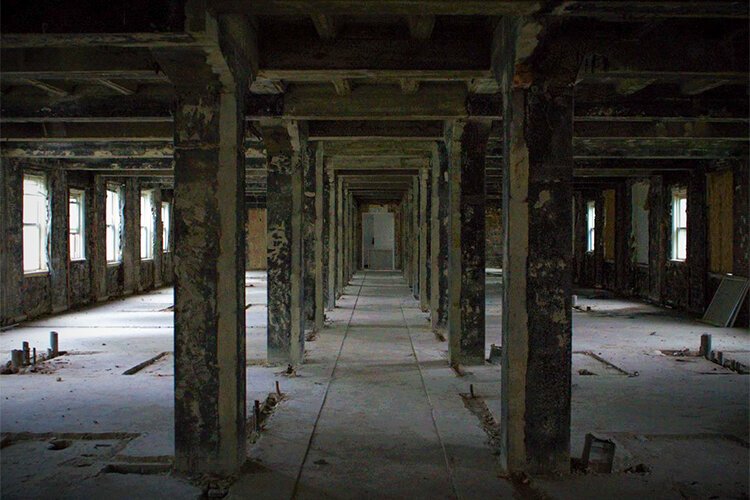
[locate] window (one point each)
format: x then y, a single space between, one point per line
114 224
591 225
35 223
679 224
147 225
166 225
76 225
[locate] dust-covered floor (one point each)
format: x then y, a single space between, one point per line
375 411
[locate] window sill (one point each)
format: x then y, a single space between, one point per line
34 274
77 260
677 261
114 264
150 259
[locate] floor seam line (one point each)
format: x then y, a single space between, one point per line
328 387
432 408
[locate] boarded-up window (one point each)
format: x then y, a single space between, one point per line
639 222
256 239
609 225
720 222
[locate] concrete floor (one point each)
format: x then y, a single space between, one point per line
374 412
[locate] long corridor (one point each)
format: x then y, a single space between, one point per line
390 422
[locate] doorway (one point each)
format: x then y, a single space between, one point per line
378 241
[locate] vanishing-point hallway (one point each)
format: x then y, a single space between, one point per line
377 419
376 432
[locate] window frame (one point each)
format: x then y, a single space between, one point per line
116 226
80 195
42 226
166 227
679 226
590 226
150 228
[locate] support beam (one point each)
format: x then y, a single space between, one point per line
209 282
537 201
332 239
325 25
420 27
467 143
286 146
424 299
434 101
310 262
320 236
439 240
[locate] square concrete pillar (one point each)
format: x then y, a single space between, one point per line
209 318
424 299
439 239
467 143
321 236
339 237
287 154
332 223
537 270
309 261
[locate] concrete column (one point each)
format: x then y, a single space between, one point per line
286 149
414 241
131 240
97 234
332 240
439 239
59 254
310 261
657 231
11 260
424 299
209 292
697 251
158 235
537 265
321 237
467 143
339 237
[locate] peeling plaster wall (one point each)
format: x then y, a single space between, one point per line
68 284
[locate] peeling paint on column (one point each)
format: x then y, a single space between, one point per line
537 212
467 143
285 246
310 263
439 237
209 285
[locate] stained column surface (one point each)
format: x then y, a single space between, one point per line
209 318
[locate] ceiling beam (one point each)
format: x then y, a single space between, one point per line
53 90
325 25
373 130
420 27
647 10
378 7
432 102
80 63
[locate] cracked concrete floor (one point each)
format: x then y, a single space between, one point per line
374 412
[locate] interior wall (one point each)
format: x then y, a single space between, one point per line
390 207
717 229
70 284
